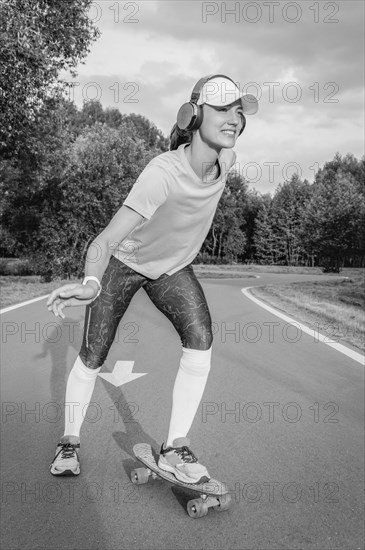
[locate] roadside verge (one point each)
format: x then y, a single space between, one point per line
358 357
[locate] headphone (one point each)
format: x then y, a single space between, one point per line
190 115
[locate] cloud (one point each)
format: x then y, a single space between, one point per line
307 74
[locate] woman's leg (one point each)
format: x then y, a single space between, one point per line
119 284
181 298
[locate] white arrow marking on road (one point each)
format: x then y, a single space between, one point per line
122 373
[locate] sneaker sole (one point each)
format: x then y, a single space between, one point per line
167 468
65 472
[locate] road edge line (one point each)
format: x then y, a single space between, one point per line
16 306
317 335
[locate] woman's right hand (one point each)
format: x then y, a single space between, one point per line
74 294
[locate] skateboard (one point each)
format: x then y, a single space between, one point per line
213 494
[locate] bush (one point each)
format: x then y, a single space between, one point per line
17 268
205 258
4 267
331 265
331 269
22 269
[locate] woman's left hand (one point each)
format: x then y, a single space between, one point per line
70 295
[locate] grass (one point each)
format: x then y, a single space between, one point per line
15 290
202 269
334 308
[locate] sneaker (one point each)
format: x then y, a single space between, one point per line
66 462
182 462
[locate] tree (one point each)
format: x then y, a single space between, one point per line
334 220
286 218
277 237
250 209
347 165
92 112
226 240
39 39
74 205
147 131
264 240
36 165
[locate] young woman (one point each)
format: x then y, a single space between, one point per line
151 242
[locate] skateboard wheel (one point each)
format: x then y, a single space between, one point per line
139 476
197 508
224 502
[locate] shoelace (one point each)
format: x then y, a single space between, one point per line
186 454
68 450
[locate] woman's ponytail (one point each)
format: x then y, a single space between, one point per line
177 137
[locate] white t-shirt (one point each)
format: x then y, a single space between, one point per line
178 208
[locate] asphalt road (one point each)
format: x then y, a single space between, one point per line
281 422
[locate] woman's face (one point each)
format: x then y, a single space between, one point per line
221 125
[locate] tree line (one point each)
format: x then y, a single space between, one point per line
318 224
73 173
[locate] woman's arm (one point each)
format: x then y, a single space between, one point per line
101 249
97 259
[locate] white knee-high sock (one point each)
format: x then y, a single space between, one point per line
188 390
79 389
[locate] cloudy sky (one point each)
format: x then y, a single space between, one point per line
303 60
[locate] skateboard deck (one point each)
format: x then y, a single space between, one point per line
213 493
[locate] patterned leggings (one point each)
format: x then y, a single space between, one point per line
179 296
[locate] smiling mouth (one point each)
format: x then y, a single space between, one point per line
229 132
